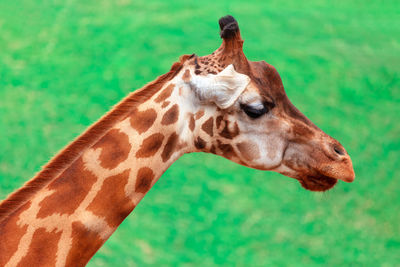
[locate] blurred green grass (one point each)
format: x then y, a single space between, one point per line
65 63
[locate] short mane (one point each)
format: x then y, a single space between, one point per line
72 151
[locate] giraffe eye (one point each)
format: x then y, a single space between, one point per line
255 111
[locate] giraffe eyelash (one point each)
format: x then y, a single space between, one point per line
256 111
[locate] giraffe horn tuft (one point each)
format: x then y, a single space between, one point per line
229 27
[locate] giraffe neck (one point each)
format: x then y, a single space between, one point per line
68 220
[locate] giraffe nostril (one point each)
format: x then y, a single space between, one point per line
339 150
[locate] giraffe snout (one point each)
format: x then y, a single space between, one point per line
341 166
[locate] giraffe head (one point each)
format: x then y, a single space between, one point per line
240 111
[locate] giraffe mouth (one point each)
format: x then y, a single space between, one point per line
317 183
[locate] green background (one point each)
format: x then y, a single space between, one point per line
65 63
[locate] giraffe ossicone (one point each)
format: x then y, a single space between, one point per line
221 103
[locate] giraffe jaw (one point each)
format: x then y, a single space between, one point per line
319 183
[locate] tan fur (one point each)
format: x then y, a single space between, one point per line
88 138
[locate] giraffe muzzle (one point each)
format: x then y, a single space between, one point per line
340 167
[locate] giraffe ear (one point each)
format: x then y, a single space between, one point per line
223 88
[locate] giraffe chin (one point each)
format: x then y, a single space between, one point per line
319 183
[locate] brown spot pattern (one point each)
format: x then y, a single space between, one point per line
229 134
141 121
150 145
186 76
84 245
192 122
212 149
226 150
69 190
165 104
213 63
68 155
208 126
169 147
199 114
218 121
144 179
115 148
248 150
199 143
11 233
111 201
42 250
171 116
165 93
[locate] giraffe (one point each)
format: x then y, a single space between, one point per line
221 103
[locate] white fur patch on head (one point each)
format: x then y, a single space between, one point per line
251 98
223 88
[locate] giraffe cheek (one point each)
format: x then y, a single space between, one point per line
274 149
249 151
